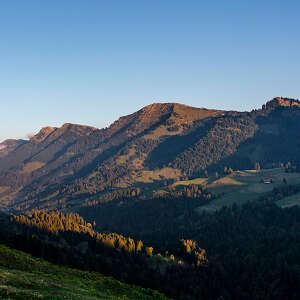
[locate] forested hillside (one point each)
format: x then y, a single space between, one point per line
75 165
242 252
165 198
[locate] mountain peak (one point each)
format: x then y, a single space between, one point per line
173 107
78 128
157 107
167 106
281 101
43 134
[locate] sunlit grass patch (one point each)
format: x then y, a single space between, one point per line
199 181
25 277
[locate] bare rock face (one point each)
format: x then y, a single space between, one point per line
283 102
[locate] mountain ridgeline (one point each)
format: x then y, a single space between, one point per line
165 198
10 145
69 166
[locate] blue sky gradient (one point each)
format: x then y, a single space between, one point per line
90 62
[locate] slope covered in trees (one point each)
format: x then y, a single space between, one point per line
69 166
111 204
69 240
246 252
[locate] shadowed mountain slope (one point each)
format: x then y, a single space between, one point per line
65 167
10 145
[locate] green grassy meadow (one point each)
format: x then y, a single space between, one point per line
289 201
242 186
25 277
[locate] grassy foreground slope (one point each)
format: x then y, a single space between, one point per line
25 277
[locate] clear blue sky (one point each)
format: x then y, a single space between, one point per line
90 62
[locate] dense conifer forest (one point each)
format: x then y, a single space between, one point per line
66 167
183 202
240 252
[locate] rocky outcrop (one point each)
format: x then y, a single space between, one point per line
281 102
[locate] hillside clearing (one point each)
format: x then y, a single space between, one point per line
289 201
200 181
242 186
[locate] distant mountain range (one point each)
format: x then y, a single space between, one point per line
66 167
10 145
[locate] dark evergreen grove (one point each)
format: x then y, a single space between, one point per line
240 252
107 200
65 167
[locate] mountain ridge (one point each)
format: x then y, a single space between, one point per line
9 145
66 166
163 107
281 102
